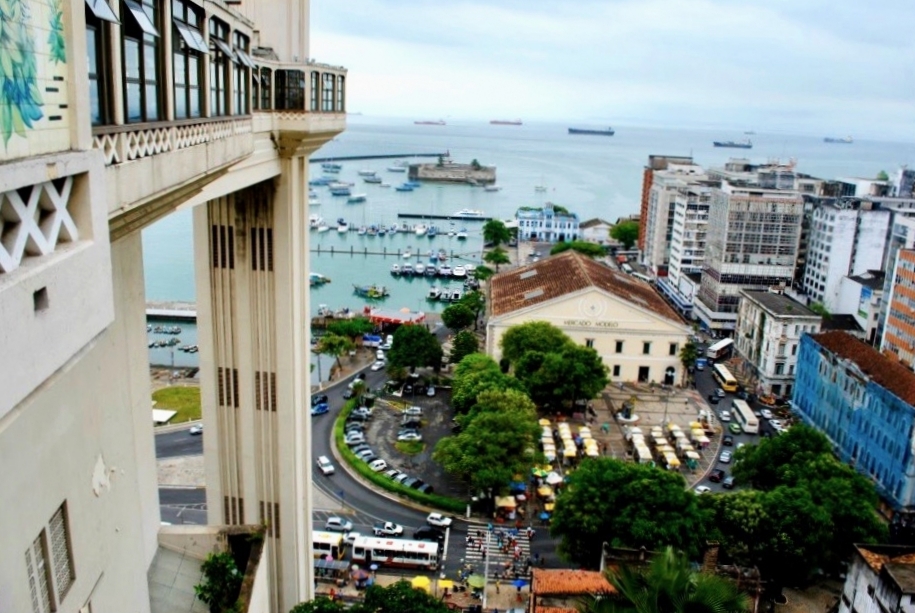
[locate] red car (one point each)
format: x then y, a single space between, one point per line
717 476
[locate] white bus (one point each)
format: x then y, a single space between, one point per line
745 417
719 349
325 544
395 552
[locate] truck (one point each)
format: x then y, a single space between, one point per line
387 528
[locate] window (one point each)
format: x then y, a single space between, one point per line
220 56
290 90
240 77
189 48
36 562
141 61
589 342
313 104
327 92
340 101
673 349
60 551
97 41
616 370
266 89
49 564
646 348
619 346
779 368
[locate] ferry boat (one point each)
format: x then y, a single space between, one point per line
845 141
607 132
372 179
356 199
435 293
731 144
469 214
371 291
505 122
459 272
395 269
440 122
420 229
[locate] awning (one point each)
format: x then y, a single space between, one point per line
101 10
331 565
243 58
545 491
222 46
191 36
140 16
505 502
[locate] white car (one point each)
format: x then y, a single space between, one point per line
379 355
412 410
438 520
196 429
338 524
325 465
430 391
385 347
378 465
702 489
378 365
409 436
766 413
725 457
354 438
724 416
776 423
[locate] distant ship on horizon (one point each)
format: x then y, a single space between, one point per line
607 132
505 122
440 122
847 140
745 144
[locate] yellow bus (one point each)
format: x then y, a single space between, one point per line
724 377
744 416
327 544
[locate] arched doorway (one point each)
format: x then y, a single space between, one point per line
669 375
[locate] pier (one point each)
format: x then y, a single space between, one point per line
398 253
447 217
380 156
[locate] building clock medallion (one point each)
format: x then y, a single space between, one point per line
592 310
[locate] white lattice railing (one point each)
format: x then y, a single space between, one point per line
34 220
125 143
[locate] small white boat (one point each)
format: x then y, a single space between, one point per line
314 202
420 229
435 293
419 268
407 254
444 270
456 294
407 269
492 188
366 173
342 227
384 184
395 269
315 220
540 188
459 272
323 227
356 199
462 234
397 169
362 230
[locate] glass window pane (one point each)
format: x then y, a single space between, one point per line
180 102
132 58
152 103
180 72
150 64
95 107
193 70
91 50
134 103
195 102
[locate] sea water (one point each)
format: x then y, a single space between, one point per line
593 176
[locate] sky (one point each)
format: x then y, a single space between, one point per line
830 67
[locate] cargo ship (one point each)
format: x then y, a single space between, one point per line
440 122
847 140
744 144
505 122
607 132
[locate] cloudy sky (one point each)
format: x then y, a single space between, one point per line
809 66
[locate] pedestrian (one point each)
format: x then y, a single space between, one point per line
498 584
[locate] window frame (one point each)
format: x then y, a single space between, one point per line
135 30
100 82
191 17
220 57
241 74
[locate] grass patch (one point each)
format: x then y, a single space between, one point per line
444 503
184 399
410 447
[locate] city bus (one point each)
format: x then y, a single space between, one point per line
395 552
744 416
720 349
724 377
325 544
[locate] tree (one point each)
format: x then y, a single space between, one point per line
820 309
221 582
465 342
334 345
476 302
477 373
554 378
321 604
483 272
495 232
351 328
668 585
775 461
591 250
688 355
626 232
400 597
532 336
475 164
627 505
415 346
497 256
495 442
458 316
882 176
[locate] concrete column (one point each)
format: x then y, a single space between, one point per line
117 67
168 68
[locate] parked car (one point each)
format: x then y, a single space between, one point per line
354 438
391 473
728 483
385 346
417 484
379 355
401 478
413 410
425 488
728 440
378 465
767 413
714 399
378 365
360 447
361 412
318 399
720 392
365 453
410 481
320 409
775 423
725 457
427 533
387 528
353 426
196 430
430 391
717 476
347 394
724 416
702 489
325 465
409 436
438 520
338 524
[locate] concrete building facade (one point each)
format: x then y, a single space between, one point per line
596 230
655 163
125 112
863 402
631 327
667 188
899 331
769 330
862 297
547 224
881 578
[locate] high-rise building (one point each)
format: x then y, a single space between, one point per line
752 243
668 187
116 114
899 328
655 162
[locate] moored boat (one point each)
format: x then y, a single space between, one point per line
462 234
356 199
469 214
407 269
373 291
420 229
366 173
316 278
459 272
419 268
404 187
435 293
395 269
340 191
372 179
607 132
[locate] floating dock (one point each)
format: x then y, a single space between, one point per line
380 156
171 311
448 217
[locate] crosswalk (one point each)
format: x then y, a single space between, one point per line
500 558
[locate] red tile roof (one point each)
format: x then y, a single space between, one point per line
554 610
564 274
882 370
563 582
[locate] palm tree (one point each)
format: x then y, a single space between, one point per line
668 585
495 232
497 256
688 355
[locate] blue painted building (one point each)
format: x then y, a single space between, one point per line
547 224
863 402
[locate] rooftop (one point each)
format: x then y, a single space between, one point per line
872 279
842 321
564 274
565 582
779 304
882 370
596 221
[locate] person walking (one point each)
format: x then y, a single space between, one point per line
498 584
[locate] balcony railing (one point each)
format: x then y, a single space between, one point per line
136 141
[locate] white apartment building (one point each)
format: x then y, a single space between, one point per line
769 330
120 113
596 230
666 188
881 578
752 243
844 238
862 297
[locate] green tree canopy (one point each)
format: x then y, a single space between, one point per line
532 336
400 597
779 460
497 256
688 355
555 378
882 176
465 342
476 302
351 328
415 346
458 316
495 442
221 582
321 604
483 272
628 505
591 250
626 232
475 374
670 584
495 232
334 345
